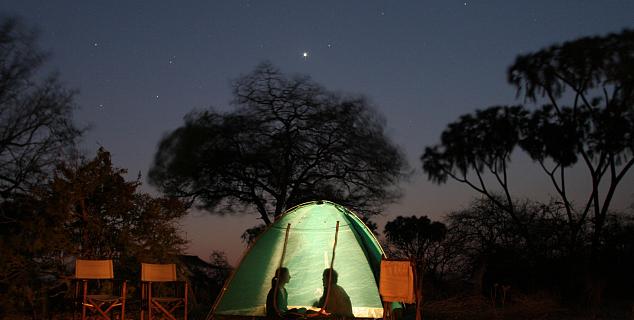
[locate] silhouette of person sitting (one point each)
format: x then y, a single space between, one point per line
277 303
338 303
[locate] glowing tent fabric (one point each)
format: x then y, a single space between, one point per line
308 252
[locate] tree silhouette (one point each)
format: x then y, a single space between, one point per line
108 218
88 210
287 141
477 145
415 238
36 127
597 126
587 118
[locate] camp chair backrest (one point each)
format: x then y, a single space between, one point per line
98 305
158 272
161 306
396 282
93 269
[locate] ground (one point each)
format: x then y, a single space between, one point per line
521 307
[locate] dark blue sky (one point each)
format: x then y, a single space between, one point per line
140 66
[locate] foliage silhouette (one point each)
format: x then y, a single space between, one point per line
85 210
288 140
417 239
583 91
36 127
587 121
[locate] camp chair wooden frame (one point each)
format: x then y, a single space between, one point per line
158 304
101 305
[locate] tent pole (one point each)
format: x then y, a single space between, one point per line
332 263
334 246
288 229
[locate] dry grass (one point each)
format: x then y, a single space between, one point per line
517 307
461 307
475 307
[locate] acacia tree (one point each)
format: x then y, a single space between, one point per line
417 239
587 120
36 127
288 140
595 128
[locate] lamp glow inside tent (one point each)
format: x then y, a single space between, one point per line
309 250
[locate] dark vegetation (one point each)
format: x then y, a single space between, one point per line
56 205
478 260
289 140
579 117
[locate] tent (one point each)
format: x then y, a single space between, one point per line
302 240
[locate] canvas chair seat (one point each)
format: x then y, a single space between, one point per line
166 299
103 297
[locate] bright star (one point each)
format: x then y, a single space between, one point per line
305 55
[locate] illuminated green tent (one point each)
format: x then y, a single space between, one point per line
309 250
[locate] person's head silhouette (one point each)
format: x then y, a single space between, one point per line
334 299
329 276
282 277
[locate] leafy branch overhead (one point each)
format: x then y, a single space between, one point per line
288 140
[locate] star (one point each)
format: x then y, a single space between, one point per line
466 4
95 44
329 45
305 55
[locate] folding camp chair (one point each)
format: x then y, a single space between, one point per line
91 277
396 284
154 300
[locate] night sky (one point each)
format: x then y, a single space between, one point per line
140 66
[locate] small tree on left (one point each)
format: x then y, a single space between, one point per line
87 210
36 131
